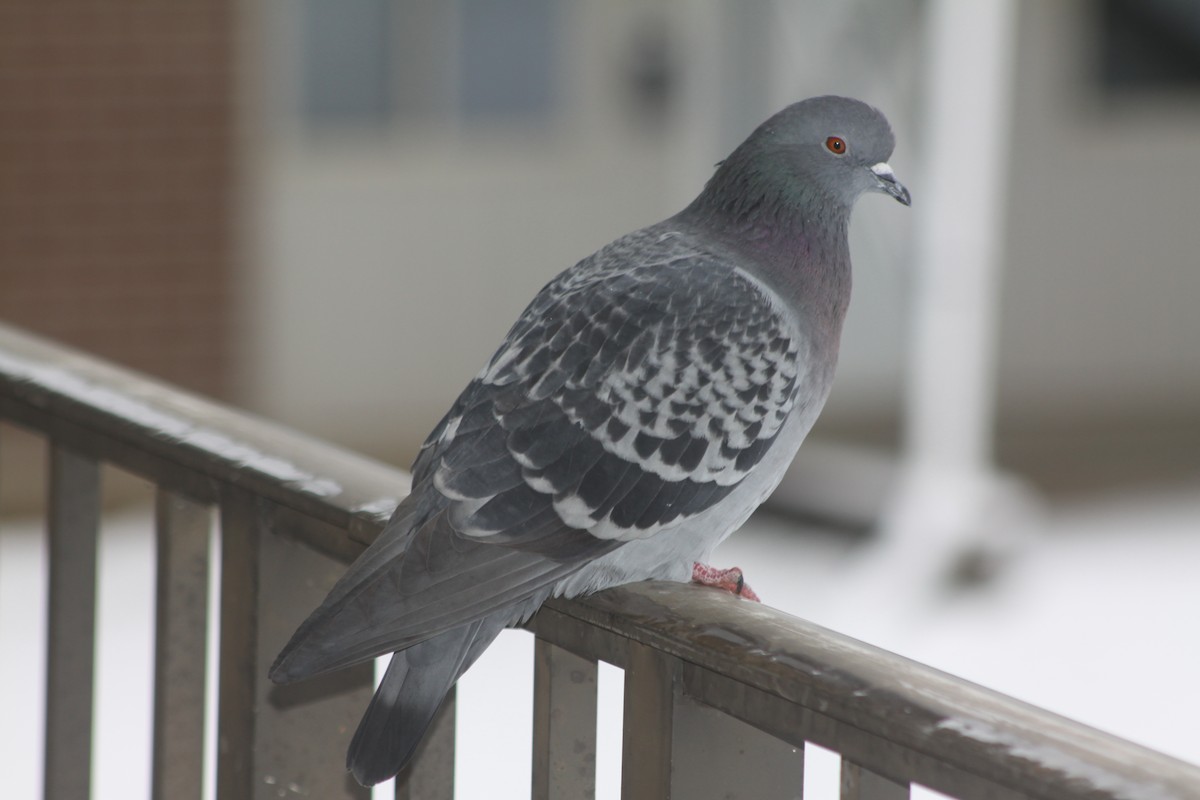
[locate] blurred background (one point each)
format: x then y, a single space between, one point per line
329 214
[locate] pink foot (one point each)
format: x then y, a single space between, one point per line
731 580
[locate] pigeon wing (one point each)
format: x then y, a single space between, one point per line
635 392
624 401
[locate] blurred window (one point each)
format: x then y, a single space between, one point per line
507 57
346 61
1149 44
376 62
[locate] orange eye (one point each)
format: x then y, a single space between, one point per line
836 145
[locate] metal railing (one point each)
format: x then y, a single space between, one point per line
721 696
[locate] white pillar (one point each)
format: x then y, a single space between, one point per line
959 225
949 492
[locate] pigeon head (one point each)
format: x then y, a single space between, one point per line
837 145
813 158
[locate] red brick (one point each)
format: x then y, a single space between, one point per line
117 180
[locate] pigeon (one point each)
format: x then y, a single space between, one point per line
646 401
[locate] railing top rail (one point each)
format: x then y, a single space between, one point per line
860 687
171 436
148 427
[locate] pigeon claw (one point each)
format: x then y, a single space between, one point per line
731 580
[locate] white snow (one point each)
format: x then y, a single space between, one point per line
1096 621
380 508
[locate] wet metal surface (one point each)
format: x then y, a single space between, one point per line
564 724
900 719
186 442
294 510
73 525
182 530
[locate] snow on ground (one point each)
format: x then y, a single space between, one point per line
1098 620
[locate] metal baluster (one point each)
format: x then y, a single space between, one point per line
239 668
74 521
716 755
182 527
651 685
860 783
302 730
278 739
564 724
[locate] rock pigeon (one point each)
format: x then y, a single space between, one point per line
646 401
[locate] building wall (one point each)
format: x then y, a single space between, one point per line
117 180
1102 272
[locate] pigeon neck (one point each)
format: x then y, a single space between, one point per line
795 238
754 201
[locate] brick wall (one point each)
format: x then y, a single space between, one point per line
117 180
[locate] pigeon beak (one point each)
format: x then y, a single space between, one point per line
885 181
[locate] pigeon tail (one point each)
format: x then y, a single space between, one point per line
320 644
413 689
411 586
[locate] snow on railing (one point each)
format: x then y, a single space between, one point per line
721 696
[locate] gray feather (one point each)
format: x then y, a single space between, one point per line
413 688
641 406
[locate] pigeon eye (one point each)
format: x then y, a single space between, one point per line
836 145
